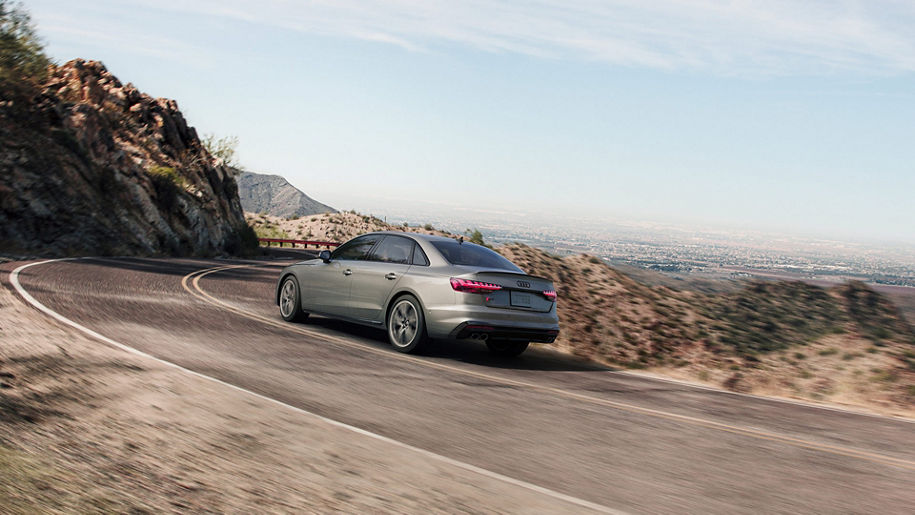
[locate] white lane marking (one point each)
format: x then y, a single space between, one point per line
14 279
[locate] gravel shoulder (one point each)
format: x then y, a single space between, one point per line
85 427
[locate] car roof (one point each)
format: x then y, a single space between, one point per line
414 235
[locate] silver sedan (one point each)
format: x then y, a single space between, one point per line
420 287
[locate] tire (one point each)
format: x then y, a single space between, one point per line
506 349
291 300
407 325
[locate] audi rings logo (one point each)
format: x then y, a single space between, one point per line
524 284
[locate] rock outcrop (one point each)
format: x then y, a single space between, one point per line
272 194
89 165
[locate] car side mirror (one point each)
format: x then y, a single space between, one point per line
325 256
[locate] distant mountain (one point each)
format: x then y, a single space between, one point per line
272 194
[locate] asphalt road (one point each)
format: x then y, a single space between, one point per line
626 442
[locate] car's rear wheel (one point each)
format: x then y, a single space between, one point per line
506 348
291 301
407 325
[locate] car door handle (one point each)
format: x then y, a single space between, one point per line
391 276
347 272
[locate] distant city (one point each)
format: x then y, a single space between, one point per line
711 253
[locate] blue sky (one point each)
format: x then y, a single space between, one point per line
794 117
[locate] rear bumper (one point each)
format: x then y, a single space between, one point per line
450 321
526 334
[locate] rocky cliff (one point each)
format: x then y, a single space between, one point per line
89 165
274 195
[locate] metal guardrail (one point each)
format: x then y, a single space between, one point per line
303 243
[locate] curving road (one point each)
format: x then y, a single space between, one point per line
606 437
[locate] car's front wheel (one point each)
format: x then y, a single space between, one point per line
406 325
505 348
291 301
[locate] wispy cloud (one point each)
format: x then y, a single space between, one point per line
110 26
728 37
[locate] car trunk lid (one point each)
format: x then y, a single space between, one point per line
519 291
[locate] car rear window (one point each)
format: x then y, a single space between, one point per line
470 254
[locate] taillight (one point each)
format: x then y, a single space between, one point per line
468 286
550 295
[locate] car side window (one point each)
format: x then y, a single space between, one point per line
419 257
393 249
356 249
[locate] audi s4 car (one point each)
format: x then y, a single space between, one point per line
420 287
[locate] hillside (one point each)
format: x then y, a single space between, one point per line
272 194
89 165
846 345
337 227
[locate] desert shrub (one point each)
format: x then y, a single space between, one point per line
166 173
885 376
771 316
881 333
221 148
21 52
270 231
167 183
875 315
475 236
